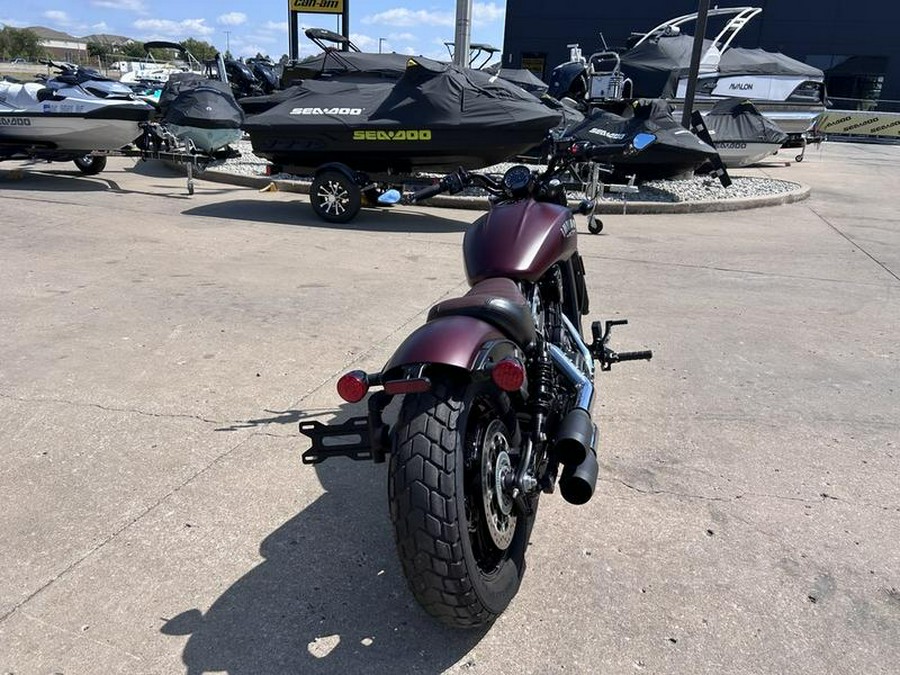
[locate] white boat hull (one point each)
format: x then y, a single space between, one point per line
68 133
743 153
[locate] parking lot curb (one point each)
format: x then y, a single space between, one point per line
620 207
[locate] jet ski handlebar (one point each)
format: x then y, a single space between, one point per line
583 151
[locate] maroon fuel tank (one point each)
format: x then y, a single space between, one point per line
519 240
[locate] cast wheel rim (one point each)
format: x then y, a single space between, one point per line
497 504
333 198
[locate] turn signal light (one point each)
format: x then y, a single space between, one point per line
509 374
353 386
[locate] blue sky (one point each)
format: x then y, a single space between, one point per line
410 26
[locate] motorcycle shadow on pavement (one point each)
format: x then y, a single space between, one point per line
374 219
329 597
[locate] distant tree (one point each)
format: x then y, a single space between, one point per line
133 50
100 50
202 50
228 54
20 42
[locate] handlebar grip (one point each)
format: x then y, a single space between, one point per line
427 192
601 151
644 355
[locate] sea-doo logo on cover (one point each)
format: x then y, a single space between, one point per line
326 111
741 86
15 122
606 134
399 135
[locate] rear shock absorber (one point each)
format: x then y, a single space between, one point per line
542 376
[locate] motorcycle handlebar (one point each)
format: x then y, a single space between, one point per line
425 193
452 183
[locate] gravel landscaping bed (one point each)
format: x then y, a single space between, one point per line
697 189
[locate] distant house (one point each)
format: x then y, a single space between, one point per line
61 46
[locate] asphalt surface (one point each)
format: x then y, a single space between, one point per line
157 352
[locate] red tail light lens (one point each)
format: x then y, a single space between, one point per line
509 374
353 386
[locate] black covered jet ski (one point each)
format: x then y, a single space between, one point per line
741 134
200 111
435 117
676 151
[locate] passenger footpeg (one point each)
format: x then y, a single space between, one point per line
606 356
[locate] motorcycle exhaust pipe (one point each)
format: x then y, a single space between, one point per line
576 441
575 437
577 485
578 481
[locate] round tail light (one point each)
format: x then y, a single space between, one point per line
509 374
353 386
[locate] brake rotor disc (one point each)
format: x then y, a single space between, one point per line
497 504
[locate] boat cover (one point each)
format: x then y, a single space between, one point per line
675 151
347 64
734 120
655 66
520 76
191 100
467 114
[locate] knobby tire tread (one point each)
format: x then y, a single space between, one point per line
423 499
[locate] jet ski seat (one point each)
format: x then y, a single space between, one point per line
20 96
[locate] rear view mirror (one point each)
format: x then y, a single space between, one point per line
389 197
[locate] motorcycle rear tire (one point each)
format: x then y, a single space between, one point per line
438 546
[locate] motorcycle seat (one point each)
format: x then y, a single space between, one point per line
495 301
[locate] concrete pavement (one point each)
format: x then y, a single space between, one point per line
157 352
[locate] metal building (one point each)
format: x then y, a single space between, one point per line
855 43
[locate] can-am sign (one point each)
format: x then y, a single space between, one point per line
317 6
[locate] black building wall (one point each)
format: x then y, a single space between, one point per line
824 33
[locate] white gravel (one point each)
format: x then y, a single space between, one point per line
699 188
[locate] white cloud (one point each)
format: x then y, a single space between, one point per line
128 5
101 27
482 13
406 17
365 42
56 15
487 12
281 26
232 18
174 29
249 50
401 37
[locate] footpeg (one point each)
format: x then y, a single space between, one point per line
606 356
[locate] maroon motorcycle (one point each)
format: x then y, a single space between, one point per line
497 388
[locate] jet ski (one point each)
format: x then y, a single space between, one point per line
435 117
68 117
200 112
741 134
676 152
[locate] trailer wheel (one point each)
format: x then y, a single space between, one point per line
334 197
595 225
90 165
